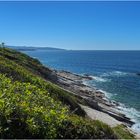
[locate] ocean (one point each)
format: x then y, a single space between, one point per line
114 73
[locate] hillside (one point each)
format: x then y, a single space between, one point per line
31 106
30 48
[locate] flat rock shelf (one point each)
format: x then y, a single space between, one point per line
95 99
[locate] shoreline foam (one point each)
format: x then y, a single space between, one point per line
131 113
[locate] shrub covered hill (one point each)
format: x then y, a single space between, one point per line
33 107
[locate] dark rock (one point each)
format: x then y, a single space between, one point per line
138 74
121 118
93 104
86 76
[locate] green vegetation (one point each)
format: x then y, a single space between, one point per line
78 127
27 111
122 132
23 68
33 107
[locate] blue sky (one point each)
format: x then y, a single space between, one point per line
79 25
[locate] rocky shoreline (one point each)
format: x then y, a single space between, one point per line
93 97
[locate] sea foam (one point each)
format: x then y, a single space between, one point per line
133 114
115 73
107 94
99 79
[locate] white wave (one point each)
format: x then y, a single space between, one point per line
115 73
85 82
107 94
136 127
133 114
120 73
99 79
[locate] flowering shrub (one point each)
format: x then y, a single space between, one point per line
27 111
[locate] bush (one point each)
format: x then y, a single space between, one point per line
123 133
27 111
75 127
26 69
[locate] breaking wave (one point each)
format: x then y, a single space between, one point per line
115 73
133 114
99 79
107 94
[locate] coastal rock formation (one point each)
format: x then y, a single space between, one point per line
92 97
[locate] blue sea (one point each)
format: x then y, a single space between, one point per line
114 73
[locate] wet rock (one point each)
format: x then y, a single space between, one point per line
86 76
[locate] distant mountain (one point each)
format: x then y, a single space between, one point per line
30 48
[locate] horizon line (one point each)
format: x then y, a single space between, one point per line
74 49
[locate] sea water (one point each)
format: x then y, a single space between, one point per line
114 73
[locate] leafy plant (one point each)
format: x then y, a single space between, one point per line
123 133
27 111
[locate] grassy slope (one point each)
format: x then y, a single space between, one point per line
26 70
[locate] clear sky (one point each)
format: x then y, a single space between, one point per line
71 25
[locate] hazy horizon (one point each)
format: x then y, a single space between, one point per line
72 25
70 49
